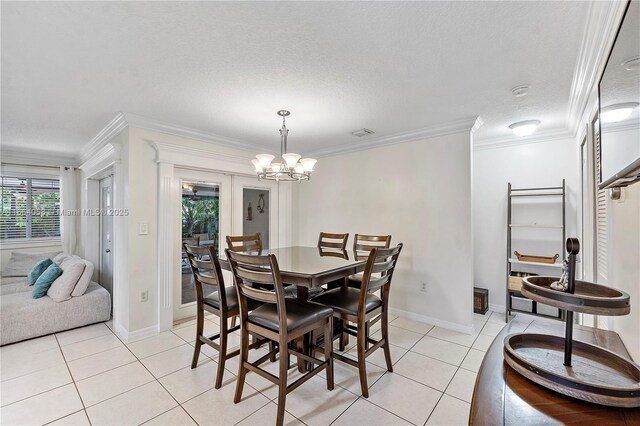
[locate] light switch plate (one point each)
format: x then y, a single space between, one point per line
143 228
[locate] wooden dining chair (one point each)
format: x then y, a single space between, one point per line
223 302
278 319
361 307
248 243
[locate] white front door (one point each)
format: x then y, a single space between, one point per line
202 217
255 209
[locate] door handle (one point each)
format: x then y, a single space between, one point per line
107 251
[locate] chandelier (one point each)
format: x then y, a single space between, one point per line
292 168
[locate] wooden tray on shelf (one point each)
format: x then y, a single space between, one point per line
537 259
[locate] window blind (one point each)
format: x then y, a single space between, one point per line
30 208
601 215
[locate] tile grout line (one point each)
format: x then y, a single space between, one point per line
454 374
163 387
72 379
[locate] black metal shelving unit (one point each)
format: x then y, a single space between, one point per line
512 262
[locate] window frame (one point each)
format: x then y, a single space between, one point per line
33 172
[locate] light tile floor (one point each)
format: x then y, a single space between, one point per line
89 376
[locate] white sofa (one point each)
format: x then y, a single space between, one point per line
22 317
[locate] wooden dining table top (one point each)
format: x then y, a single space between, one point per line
504 397
311 266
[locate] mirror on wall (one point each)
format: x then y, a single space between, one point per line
620 105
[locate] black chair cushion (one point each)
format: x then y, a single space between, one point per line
299 314
232 300
345 300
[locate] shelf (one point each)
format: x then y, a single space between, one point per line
544 194
534 225
522 262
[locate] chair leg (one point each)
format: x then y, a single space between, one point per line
242 371
272 346
366 335
328 351
198 345
222 353
282 385
343 336
384 326
233 321
362 367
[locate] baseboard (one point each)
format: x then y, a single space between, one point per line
468 329
131 336
497 308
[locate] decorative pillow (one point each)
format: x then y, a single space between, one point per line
38 270
60 257
45 280
84 280
21 263
62 287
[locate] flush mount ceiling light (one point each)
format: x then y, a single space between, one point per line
520 91
524 128
617 112
631 64
293 168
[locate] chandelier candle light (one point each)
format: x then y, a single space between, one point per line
293 167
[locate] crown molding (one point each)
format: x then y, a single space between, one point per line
112 129
443 129
36 158
511 141
603 20
139 121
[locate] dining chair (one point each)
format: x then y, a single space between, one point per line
279 319
249 243
223 303
362 307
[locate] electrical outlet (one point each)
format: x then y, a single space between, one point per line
423 287
144 296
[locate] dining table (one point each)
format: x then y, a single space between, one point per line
310 267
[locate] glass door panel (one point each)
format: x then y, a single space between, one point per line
204 219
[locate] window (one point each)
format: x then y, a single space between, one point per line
30 208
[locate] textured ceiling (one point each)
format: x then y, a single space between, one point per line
225 68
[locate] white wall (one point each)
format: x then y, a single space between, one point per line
538 164
624 264
420 193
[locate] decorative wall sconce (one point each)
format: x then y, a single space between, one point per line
250 212
260 206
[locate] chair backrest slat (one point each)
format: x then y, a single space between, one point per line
205 268
383 261
375 284
257 269
255 276
242 243
367 243
332 240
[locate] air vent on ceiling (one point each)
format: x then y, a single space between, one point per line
362 132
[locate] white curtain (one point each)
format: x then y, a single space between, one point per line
68 206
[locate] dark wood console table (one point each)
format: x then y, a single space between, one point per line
504 397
